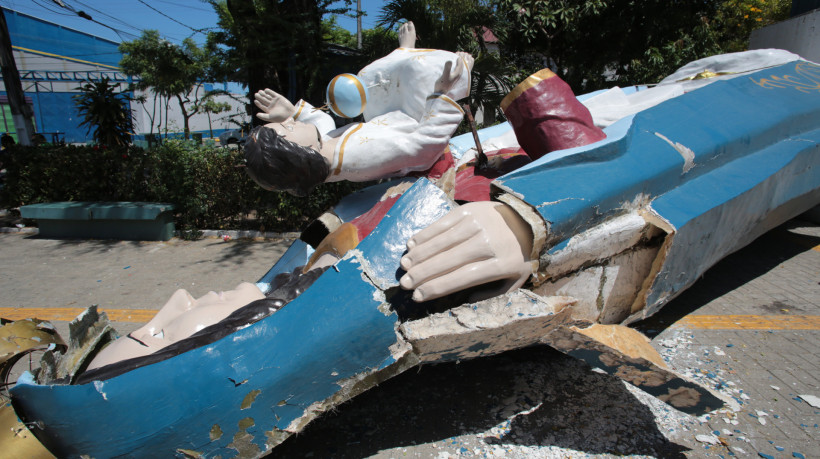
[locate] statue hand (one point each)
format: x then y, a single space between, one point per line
473 244
453 73
275 107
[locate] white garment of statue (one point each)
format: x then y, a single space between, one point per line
407 125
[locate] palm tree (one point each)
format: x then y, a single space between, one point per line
106 111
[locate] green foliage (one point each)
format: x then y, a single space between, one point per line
594 44
208 185
332 32
598 43
273 44
106 111
378 42
171 70
736 19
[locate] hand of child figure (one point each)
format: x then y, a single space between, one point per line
453 72
275 107
473 244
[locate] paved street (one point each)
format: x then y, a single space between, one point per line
749 328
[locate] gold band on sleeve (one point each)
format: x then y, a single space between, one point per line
530 82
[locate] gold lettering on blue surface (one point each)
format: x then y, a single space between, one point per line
806 80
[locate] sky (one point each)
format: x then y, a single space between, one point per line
123 20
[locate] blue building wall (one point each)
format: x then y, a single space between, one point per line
36 34
55 111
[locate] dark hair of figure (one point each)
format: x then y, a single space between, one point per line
278 164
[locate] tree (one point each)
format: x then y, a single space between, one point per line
171 70
332 32
736 19
273 44
106 111
593 44
209 105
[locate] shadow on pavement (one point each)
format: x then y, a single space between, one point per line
563 403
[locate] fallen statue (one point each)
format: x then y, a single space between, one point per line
588 230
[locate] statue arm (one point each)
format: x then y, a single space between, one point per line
307 113
276 108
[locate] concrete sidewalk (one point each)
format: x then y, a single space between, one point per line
41 275
750 328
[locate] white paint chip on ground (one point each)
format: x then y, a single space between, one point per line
710 439
812 400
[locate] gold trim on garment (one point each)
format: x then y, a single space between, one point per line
298 112
531 81
342 148
447 99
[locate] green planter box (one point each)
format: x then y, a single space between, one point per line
133 221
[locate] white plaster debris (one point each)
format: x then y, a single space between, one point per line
710 439
812 400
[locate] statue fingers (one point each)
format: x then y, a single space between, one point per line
455 74
262 97
462 278
261 104
441 263
442 242
453 218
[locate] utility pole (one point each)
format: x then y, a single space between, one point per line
20 112
359 23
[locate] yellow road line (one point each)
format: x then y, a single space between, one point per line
749 322
697 322
68 314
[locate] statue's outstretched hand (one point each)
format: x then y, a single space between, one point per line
453 73
275 107
472 245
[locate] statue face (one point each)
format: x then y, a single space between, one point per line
181 317
304 134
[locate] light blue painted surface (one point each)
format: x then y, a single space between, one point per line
295 357
719 123
297 255
721 212
460 144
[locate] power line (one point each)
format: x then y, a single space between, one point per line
185 5
86 16
172 19
108 15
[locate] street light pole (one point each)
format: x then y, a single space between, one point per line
359 23
20 112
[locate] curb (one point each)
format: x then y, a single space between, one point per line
231 234
246 234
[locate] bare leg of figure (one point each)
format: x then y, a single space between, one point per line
407 35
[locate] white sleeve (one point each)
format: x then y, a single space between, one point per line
395 144
306 113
